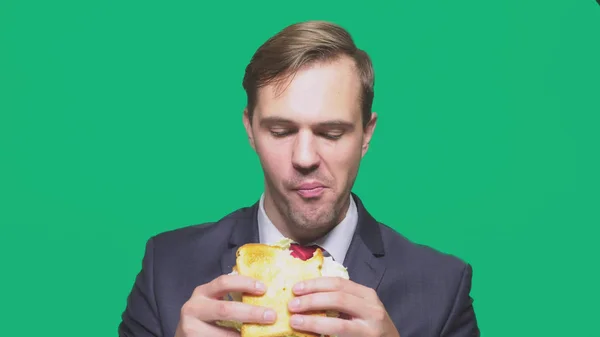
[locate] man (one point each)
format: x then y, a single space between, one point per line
309 119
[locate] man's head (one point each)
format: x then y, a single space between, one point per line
308 117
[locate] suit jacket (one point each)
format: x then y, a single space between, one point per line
426 292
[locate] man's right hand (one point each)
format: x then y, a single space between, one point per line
206 306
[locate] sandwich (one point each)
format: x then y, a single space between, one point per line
279 270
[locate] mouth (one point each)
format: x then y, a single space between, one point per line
310 190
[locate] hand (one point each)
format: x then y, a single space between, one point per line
368 316
205 307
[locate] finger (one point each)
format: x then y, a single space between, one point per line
328 326
214 310
331 284
338 301
211 310
225 284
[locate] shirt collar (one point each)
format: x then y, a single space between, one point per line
336 242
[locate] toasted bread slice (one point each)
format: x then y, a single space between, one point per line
279 271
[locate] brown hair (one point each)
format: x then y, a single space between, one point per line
302 44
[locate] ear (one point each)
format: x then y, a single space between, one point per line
248 127
368 133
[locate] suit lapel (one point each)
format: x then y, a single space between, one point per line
245 230
228 260
363 267
363 258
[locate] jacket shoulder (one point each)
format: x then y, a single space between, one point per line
421 279
209 235
400 248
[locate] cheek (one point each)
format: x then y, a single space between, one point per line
273 160
343 160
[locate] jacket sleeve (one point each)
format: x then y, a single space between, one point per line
462 321
140 318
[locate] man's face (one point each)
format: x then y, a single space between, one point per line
310 140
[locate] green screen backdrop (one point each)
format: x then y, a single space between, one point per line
122 119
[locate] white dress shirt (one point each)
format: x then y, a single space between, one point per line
336 242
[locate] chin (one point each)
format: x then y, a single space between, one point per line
313 216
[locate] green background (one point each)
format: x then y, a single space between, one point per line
122 119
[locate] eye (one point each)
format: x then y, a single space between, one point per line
333 135
280 132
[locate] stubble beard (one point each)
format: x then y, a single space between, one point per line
308 221
311 221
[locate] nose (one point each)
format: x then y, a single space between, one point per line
305 156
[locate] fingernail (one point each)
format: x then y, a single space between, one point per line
296 320
295 303
299 286
259 286
269 316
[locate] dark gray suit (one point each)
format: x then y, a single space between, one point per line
425 292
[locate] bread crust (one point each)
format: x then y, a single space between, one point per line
279 271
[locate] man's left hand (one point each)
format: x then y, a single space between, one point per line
368 316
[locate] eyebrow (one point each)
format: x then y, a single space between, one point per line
268 121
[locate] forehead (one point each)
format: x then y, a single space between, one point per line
321 92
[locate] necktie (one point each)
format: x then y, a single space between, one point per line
303 252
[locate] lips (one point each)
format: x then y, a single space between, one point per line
310 190
310 186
